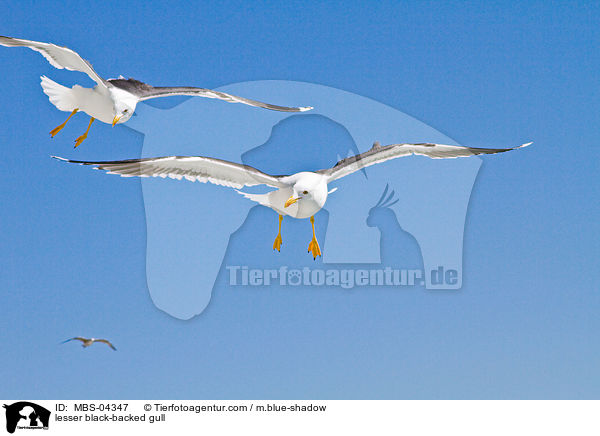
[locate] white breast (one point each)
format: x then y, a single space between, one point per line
305 207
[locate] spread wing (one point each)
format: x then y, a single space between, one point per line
378 154
145 92
78 338
192 168
104 341
59 57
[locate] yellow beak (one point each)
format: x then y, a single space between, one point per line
116 120
291 201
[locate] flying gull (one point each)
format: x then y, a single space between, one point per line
111 101
299 195
86 342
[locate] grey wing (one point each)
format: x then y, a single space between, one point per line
104 341
74 339
378 154
145 92
58 56
192 168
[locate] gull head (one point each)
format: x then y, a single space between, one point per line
124 105
308 187
122 113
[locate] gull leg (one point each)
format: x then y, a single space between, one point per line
59 128
278 241
314 244
82 137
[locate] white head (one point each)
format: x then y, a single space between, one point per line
307 187
124 105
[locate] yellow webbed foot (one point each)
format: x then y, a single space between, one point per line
56 130
79 140
313 247
314 244
277 243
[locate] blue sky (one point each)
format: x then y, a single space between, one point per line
524 324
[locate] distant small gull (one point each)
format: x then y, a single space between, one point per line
86 342
299 195
111 101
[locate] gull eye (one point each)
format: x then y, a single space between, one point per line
305 192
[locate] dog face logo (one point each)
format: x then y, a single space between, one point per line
24 414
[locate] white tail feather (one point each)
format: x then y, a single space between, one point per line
60 96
